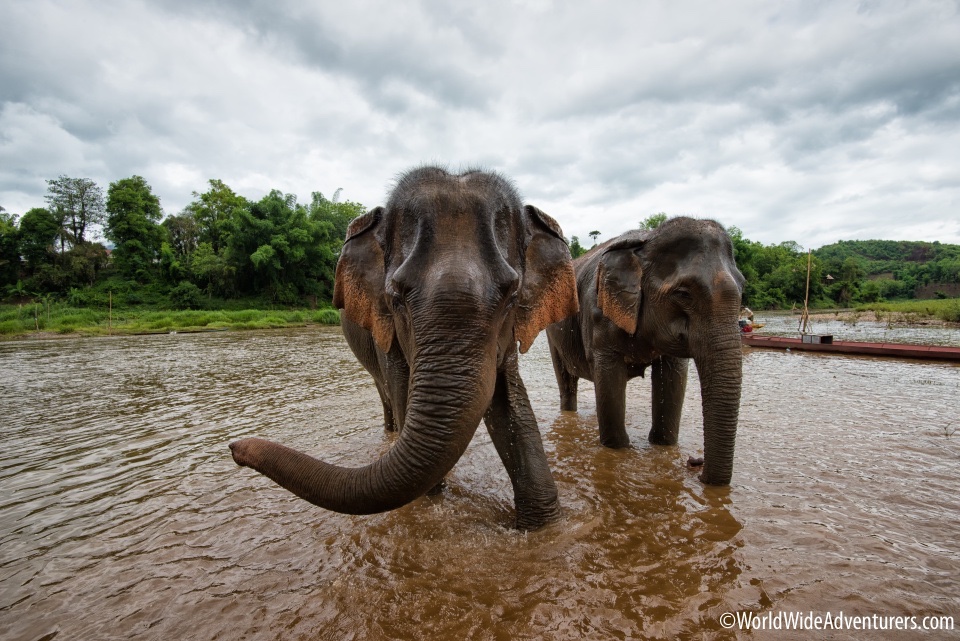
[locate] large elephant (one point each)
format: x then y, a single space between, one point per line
436 290
656 299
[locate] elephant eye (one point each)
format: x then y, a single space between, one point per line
682 296
396 301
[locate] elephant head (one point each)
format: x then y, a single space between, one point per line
453 271
678 289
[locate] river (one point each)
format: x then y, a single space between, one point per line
124 517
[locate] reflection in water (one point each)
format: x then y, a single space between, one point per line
124 516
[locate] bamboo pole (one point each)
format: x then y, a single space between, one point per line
805 318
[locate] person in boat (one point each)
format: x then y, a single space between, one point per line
746 319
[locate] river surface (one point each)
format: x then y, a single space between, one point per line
122 515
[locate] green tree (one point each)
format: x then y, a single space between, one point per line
277 248
337 214
9 249
78 204
133 217
652 222
211 269
594 235
214 211
83 265
39 231
183 233
576 249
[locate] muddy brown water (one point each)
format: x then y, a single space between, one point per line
122 515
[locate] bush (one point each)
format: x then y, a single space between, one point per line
10 327
950 313
186 295
327 317
77 297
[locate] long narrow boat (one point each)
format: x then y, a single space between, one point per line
897 350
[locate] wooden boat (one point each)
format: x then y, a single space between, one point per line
812 343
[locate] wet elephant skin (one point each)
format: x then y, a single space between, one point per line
436 290
654 299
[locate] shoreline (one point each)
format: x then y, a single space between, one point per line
93 332
853 316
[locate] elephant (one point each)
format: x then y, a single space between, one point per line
657 298
436 289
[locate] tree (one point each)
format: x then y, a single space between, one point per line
337 214
277 247
211 269
594 234
214 211
576 249
652 222
38 234
9 249
78 203
183 233
83 264
133 216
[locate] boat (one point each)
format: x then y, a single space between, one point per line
825 343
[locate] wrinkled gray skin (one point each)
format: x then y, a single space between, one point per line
656 299
436 289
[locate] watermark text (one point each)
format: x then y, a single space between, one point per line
831 621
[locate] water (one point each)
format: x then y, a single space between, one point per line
123 516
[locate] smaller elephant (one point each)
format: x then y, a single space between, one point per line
657 299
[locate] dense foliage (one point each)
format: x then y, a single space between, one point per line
275 250
846 273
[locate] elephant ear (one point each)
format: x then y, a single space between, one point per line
619 276
548 292
359 286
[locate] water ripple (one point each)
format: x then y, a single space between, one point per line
125 518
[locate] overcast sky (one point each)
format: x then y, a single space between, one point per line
807 121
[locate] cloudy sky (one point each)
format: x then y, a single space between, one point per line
811 121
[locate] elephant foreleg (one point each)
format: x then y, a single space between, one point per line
668 383
610 384
566 381
513 429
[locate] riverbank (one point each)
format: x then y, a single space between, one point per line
39 321
918 313
906 319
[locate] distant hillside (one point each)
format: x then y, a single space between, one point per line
887 251
897 268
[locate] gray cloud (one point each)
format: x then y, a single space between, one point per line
798 121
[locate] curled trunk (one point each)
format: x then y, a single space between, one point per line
447 400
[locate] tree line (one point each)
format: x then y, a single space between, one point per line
221 245
280 251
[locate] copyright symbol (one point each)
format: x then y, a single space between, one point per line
727 620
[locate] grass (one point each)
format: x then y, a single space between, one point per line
944 309
61 318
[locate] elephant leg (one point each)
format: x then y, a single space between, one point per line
566 381
668 384
610 385
513 429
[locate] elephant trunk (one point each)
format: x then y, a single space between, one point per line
449 393
720 370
